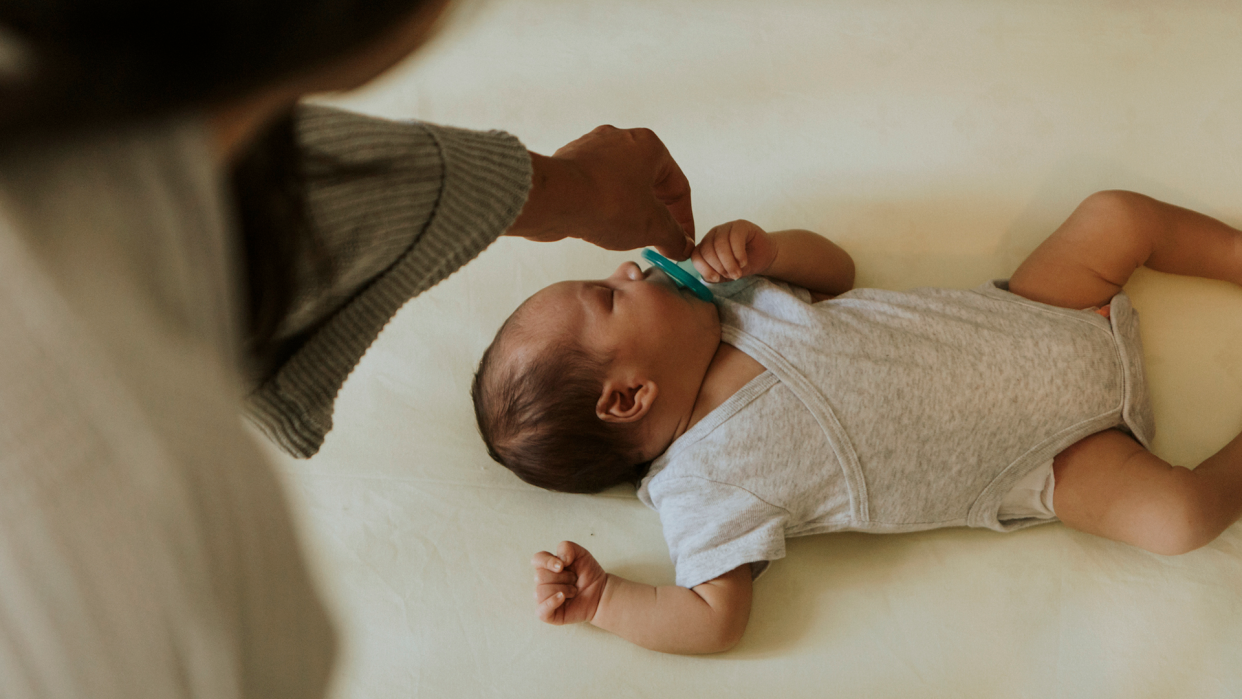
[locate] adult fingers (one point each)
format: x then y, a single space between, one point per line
672 189
670 226
670 239
642 196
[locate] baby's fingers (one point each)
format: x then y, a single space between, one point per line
728 256
543 592
568 552
739 235
706 262
543 576
547 561
546 609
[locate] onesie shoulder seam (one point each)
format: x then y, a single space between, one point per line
735 486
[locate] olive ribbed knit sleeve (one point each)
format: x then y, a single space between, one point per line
404 205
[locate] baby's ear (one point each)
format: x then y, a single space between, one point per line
624 402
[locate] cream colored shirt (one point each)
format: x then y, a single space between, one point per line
146 549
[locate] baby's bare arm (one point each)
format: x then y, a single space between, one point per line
571 587
740 248
707 619
813 262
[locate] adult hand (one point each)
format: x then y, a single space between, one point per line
617 188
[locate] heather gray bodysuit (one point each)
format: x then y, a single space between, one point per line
885 411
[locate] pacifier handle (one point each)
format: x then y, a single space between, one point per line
685 278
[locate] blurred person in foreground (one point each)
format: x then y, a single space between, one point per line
182 241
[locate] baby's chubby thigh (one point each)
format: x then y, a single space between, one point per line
1109 485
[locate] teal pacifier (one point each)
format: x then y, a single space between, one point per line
683 274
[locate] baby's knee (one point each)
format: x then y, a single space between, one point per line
1115 203
1184 518
1128 214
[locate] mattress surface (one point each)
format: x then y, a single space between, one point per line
937 142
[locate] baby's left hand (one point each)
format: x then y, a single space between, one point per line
569 585
734 250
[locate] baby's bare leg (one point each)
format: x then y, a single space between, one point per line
1110 486
1088 259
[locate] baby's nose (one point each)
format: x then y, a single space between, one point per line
628 270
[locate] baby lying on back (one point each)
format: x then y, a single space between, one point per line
791 405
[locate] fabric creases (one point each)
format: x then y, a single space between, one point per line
887 412
399 240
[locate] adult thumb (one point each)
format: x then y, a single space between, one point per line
669 238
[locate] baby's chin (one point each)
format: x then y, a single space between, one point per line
712 320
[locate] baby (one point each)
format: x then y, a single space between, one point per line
792 405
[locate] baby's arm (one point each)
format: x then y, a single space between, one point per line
740 248
571 587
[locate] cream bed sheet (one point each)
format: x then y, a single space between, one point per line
938 142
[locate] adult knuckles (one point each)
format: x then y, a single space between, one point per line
640 135
643 133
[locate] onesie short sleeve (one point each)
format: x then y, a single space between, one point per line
712 528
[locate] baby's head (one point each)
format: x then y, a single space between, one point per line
588 381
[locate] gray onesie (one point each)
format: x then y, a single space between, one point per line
885 411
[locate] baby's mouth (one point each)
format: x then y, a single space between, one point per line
658 276
655 275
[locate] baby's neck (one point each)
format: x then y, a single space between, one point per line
729 371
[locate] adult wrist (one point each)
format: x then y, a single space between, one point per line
558 192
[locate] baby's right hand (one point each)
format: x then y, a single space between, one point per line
734 250
569 585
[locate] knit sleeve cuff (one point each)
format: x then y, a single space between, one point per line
486 179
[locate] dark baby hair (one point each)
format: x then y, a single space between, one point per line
539 420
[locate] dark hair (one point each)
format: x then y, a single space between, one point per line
539 420
97 62
91 64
